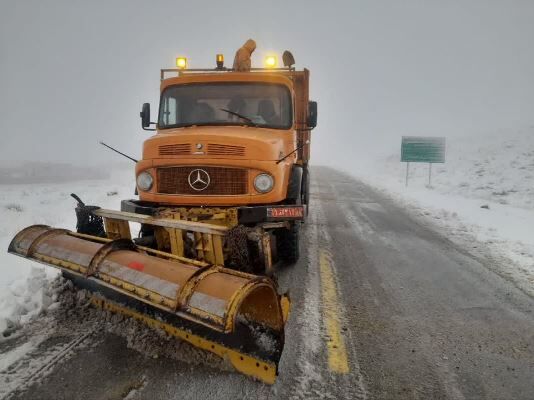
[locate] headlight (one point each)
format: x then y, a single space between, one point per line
263 183
144 181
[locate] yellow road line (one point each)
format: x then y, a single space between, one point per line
337 351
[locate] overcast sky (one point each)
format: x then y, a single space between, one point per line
76 72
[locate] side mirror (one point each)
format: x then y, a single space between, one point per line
312 114
145 116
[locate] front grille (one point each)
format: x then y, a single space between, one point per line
182 149
225 150
223 181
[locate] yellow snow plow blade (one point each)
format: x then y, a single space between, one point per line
235 315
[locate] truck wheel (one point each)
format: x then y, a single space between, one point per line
305 191
287 244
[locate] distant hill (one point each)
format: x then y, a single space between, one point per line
46 172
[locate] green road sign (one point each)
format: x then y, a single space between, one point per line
423 149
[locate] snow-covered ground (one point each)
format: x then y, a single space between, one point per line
483 196
24 289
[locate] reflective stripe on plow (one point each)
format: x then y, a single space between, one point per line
63 254
208 304
140 279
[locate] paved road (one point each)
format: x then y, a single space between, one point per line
383 308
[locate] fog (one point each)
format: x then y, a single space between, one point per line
76 72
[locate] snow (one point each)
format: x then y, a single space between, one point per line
23 299
15 354
37 347
153 343
482 197
24 285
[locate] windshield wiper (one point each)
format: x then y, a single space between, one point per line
247 119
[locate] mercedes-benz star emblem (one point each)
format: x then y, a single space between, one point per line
198 179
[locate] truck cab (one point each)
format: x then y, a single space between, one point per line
232 129
236 143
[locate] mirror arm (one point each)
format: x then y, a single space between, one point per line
117 151
149 129
294 151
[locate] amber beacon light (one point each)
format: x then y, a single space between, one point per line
220 61
270 61
181 62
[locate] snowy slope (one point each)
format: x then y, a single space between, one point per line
24 289
483 194
498 168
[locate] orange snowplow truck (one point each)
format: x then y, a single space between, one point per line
223 187
231 148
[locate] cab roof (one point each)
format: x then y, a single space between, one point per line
280 76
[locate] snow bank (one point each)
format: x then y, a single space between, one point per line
24 285
484 191
24 298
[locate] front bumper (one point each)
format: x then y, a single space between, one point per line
246 215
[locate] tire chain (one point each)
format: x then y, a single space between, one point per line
237 245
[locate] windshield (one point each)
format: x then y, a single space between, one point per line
256 104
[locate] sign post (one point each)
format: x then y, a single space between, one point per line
422 149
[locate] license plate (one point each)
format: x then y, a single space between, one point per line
285 212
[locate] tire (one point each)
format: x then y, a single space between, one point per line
294 189
305 191
287 244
